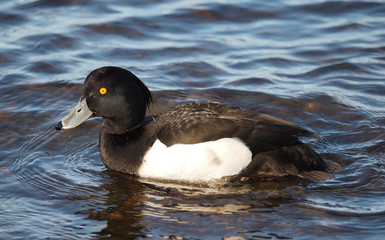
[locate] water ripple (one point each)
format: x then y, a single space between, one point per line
319 64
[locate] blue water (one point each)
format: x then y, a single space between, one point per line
319 64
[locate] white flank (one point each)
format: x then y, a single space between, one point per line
196 162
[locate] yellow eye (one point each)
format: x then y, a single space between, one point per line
103 91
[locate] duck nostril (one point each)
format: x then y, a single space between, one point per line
79 110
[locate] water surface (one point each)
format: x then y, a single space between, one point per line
319 64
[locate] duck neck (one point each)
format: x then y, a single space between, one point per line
130 135
120 126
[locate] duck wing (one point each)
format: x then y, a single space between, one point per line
200 122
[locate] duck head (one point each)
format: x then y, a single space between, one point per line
113 93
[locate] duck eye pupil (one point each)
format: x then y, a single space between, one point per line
103 91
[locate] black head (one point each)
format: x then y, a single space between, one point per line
115 94
118 96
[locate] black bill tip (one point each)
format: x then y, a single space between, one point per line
59 126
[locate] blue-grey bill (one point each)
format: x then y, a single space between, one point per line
78 115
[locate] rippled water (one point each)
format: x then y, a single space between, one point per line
319 64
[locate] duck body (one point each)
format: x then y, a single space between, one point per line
198 141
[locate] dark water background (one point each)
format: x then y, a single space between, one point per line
319 64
